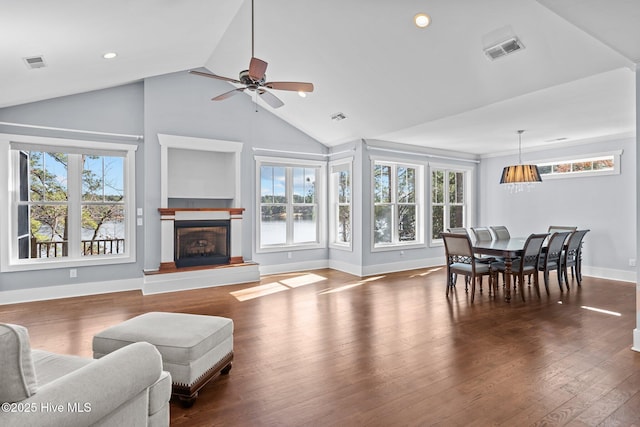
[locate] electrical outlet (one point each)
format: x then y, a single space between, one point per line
289 255
73 272
632 262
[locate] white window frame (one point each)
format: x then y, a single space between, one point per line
579 159
9 179
320 193
335 204
469 197
420 204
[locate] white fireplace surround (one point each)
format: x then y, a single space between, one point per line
206 169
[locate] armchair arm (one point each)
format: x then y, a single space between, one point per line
91 393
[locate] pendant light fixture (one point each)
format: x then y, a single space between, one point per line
518 177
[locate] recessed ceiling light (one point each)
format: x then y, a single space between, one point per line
422 20
109 55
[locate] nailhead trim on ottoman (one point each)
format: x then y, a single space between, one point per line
195 348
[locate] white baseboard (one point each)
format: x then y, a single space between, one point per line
345 267
292 267
392 267
69 291
198 279
609 273
636 340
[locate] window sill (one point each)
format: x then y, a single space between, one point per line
398 247
45 264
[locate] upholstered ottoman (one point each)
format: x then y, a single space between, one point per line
195 349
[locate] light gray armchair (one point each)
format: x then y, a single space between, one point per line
39 388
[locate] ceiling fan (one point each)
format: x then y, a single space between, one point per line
255 79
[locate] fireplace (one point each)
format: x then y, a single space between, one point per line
203 242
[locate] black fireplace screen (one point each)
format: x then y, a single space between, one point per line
201 243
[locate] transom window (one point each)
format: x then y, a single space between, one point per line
600 164
70 204
289 204
397 206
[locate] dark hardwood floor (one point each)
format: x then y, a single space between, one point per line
324 348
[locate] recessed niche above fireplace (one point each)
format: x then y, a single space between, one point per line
199 172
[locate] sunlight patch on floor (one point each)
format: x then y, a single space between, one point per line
306 279
259 291
350 286
272 288
600 310
426 273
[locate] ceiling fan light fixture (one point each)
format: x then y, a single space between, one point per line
109 55
302 94
422 20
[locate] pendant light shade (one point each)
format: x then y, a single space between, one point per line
519 175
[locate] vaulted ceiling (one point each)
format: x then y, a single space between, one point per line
435 87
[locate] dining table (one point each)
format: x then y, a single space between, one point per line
508 249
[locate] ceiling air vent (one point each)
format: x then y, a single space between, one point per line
34 62
504 48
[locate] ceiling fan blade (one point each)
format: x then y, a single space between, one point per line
228 94
215 76
270 98
257 68
294 86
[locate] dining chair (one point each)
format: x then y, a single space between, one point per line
501 232
527 264
482 234
551 258
572 257
461 261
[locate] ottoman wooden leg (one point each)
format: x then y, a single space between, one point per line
188 395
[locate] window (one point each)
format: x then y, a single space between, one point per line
597 164
448 200
70 205
340 220
289 203
396 204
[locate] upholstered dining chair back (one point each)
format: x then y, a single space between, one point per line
482 234
458 246
501 232
531 253
458 230
561 228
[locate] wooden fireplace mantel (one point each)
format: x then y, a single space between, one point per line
172 211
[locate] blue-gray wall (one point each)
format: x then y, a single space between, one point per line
116 110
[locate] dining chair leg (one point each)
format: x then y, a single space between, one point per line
559 274
521 284
473 288
545 276
536 283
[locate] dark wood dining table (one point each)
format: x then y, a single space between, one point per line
509 249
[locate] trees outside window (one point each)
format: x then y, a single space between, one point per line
69 205
448 201
46 204
340 221
396 204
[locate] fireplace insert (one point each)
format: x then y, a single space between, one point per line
203 242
